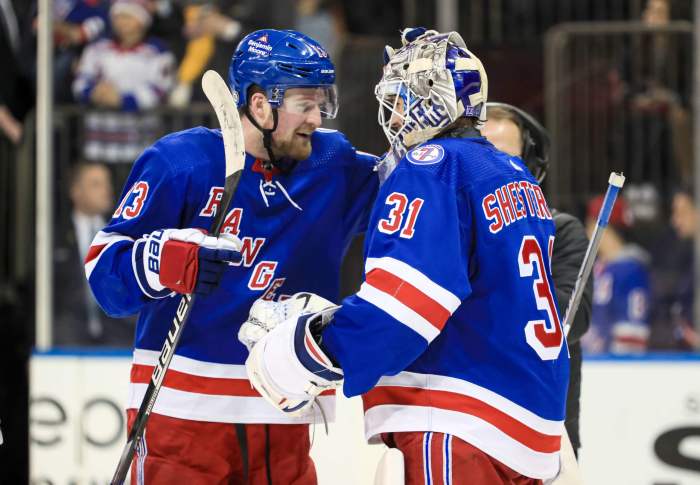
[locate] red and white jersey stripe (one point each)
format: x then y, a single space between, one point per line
407 295
207 391
505 430
102 241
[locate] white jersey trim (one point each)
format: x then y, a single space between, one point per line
414 277
223 409
483 435
466 388
192 366
398 311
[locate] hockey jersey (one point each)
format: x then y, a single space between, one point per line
455 328
620 318
295 229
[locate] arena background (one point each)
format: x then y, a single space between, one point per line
614 81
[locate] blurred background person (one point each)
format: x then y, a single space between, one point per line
126 75
620 320
204 25
684 219
78 320
76 24
516 133
16 92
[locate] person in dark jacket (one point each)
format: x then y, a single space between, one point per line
515 132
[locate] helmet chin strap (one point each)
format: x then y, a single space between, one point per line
284 165
267 136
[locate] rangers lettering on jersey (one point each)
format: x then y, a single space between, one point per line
207 379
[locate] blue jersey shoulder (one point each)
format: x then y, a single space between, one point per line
330 148
188 150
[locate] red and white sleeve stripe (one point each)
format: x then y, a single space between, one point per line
103 240
408 296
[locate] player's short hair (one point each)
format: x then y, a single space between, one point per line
77 170
253 89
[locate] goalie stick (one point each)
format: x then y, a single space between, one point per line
615 183
569 473
221 99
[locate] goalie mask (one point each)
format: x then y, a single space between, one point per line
426 85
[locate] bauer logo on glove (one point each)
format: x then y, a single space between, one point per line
182 261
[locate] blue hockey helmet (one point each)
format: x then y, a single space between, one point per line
276 60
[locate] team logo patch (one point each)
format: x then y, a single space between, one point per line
426 155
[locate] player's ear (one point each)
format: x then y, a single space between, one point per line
260 108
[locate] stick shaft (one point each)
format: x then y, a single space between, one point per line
615 183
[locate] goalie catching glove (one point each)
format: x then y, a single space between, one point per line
288 366
182 260
265 315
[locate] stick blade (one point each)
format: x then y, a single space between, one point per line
221 99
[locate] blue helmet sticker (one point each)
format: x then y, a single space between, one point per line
426 155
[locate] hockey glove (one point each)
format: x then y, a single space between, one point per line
183 261
289 368
265 315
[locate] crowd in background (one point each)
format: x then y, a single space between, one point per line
128 61
127 71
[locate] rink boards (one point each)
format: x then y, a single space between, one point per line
640 422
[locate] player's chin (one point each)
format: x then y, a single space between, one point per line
301 148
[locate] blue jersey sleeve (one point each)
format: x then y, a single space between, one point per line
153 198
416 275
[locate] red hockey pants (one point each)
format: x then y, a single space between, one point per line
442 459
179 451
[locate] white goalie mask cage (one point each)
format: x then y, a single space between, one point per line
417 94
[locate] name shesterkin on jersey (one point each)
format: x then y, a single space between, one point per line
514 201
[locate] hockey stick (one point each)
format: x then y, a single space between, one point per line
615 183
220 97
569 473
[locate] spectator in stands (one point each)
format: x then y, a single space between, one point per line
684 219
322 20
16 90
204 24
78 320
620 319
126 74
76 24
653 86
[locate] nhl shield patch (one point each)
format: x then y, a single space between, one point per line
426 155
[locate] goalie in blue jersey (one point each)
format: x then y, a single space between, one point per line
454 339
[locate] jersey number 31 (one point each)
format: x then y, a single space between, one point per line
545 337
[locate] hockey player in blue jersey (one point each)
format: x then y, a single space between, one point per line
620 319
304 194
454 338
